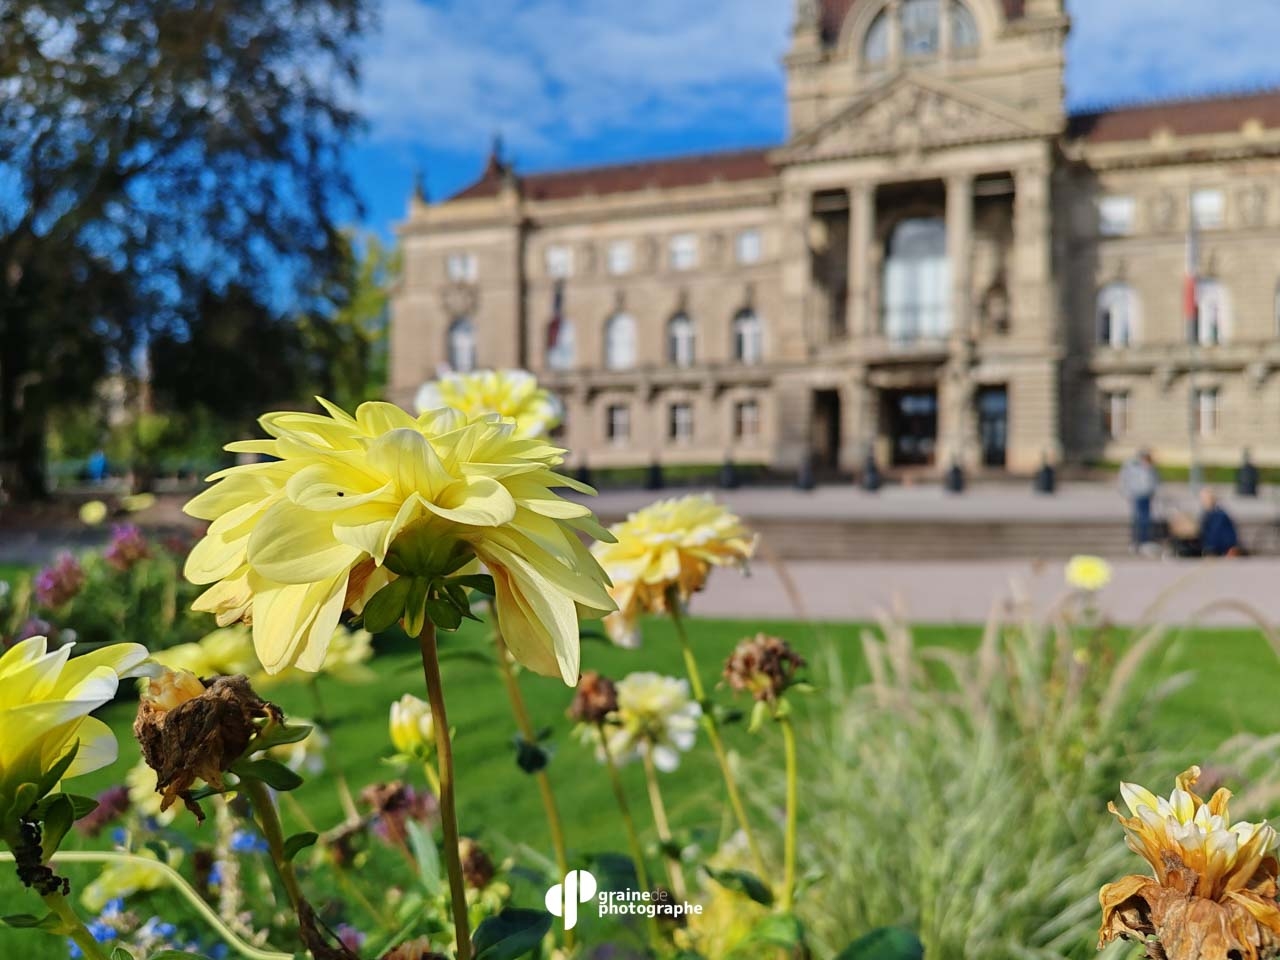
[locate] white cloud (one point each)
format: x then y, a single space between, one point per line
1138 49
545 73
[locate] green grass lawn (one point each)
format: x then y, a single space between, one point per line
500 805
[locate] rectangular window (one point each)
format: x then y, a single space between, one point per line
684 251
1208 208
1115 216
621 257
680 424
1115 415
749 246
617 423
1207 412
559 261
746 420
461 267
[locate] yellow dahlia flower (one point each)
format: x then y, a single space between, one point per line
220 653
1088 573
412 728
668 544
93 512
508 393
296 540
655 715
349 652
1215 881
121 880
45 702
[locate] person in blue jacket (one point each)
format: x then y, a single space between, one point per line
1218 537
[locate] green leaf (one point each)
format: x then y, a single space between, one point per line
24 798
271 772
57 820
886 943
54 773
427 856
21 921
479 582
299 842
386 606
779 930
120 953
741 881
759 714
81 806
443 613
281 733
415 612
511 934
728 715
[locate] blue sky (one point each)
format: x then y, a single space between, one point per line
571 82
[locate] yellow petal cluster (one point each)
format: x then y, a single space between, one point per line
296 540
656 716
508 393
346 658
120 880
45 701
671 544
220 653
1088 573
1214 886
412 727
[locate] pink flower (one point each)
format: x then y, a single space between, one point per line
127 547
58 584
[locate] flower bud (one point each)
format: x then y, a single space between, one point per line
413 730
763 666
596 698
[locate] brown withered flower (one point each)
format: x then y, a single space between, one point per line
477 868
192 731
419 949
762 666
596 698
1213 896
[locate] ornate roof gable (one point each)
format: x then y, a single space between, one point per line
905 113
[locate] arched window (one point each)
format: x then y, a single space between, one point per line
1118 315
461 346
964 29
1213 313
748 337
680 340
921 27
560 345
620 342
917 281
875 45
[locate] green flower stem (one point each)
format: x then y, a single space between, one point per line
525 725
675 872
341 872
264 806
448 801
74 927
793 797
318 701
433 778
179 883
712 727
633 837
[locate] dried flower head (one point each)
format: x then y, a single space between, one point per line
595 699
762 666
477 869
1213 896
188 735
392 805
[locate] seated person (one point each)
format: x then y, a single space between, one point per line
1218 536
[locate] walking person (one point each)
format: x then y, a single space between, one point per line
1138 482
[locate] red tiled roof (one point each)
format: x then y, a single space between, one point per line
686 171
834 12
1182 118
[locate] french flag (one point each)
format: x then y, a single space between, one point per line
557 317
1190 298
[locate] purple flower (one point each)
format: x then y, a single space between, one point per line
58 584
112 803
33 627
127 547
350 937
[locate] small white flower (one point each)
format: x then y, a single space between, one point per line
655 715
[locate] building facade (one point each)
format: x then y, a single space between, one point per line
938 265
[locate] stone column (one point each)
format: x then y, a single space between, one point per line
862 215
895 33
960 253
944 31
796 334
1030 294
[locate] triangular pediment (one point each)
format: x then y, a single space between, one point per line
909 113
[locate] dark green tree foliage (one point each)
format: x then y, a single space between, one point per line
153 155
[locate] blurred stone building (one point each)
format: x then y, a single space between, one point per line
938 264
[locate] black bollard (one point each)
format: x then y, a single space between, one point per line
805 479
872 480
954 481
729 475
1247 477
654 479
1046 478
584 474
